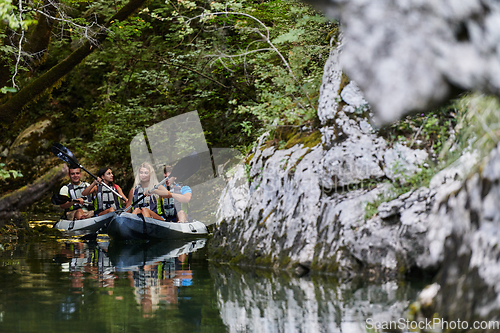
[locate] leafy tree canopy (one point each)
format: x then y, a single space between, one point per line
245 66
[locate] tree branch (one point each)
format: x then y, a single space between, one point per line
266 39
46 81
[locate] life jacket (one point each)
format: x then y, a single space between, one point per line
75 192
153 202
104 198
169 210
171 206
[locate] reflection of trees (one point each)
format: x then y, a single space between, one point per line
267 302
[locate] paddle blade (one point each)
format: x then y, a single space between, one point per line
65 154
186 167
59 199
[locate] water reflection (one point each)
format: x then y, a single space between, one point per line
267 302
156 271
86 261
70 286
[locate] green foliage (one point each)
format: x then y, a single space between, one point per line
175 57
429 131
5 174
10 14
432 132
247 127
470 123
371 208
286 80
5 90
478 127
401 185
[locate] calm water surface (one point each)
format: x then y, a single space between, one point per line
68 285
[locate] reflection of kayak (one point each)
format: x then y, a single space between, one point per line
127 226
129 256
85 226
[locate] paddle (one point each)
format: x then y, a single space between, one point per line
185 168
59 199
67 156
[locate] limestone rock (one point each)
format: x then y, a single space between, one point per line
401 161
464 230
306 206
412 55
353 96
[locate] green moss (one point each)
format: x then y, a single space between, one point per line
286 137
285 261
249 158
238 259
344 81
308 139
264 261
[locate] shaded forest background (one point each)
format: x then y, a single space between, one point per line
102 71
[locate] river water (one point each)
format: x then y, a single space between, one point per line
56 284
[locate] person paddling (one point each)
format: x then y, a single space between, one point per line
78 207
176 198
105 201
151 204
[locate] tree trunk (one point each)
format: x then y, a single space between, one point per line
46 81
38 41
12 203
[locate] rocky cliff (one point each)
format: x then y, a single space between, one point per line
418 52
304 207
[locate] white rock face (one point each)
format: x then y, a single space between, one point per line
464 238
401 160
353 96
307 205
411 55
405 55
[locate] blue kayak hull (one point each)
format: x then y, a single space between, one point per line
127 226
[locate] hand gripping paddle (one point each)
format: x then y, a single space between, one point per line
67 156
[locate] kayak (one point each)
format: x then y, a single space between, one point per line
127 226
86 226
131 256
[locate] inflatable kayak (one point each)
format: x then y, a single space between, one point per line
86 226
127 226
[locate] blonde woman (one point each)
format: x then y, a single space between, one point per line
150 205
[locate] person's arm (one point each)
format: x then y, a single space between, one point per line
65 191
182 198
70 203
161 191
119 190
92 188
